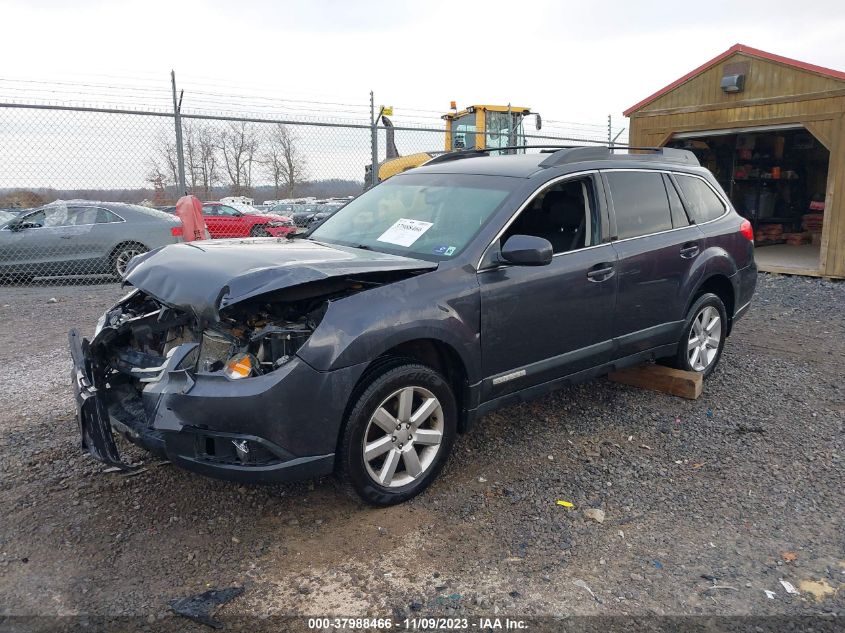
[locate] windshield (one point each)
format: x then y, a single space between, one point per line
433 216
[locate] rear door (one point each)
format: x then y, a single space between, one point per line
657 246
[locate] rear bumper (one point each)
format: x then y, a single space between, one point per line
282 426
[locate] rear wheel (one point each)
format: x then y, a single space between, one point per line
398 435
122 254
703 338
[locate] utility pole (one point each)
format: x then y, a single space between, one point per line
373 141
177 118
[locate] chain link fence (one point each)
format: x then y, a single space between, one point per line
84 189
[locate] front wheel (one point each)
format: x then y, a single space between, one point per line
398 435
705 328
259 231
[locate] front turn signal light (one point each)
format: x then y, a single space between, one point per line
240 366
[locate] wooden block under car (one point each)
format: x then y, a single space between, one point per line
675 382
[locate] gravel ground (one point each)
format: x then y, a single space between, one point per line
706 503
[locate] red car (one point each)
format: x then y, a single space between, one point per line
224 220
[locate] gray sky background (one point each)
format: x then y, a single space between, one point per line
573 62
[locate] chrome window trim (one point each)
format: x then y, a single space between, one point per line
725 202
36 228
530 198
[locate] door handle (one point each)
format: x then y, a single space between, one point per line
689 250
65 237
600 272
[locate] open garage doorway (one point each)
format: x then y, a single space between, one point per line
776 176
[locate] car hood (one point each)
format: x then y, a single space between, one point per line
206 276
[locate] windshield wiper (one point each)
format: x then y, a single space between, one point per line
363 247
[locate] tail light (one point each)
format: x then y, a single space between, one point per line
176 231
746 230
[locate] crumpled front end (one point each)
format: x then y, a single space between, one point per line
230 399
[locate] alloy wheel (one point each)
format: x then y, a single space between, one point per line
123 258
403 437
705 336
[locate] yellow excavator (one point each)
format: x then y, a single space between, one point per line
481 127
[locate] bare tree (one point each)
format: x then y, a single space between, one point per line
201 164
283 161
158 179
207 144
191 151
164 161
239 145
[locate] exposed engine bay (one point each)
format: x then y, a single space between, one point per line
138 335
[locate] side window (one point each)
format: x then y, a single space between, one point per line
564 213
34 220
82 216
679 215
227 211
640 203
104 216
209 209
702 201
58 215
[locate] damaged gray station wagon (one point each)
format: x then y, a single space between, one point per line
363 347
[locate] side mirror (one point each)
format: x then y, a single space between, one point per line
527 250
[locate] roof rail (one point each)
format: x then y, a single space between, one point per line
446 157
581 154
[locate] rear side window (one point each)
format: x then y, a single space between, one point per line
640 202
679 216
702 201
106 217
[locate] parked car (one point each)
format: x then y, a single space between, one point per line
234 220
81 237
301 214
325 211
437 296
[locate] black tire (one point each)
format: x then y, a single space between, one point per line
354 472
122 254
682 360
259 231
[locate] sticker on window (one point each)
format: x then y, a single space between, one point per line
405 232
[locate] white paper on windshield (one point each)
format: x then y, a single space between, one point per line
405 232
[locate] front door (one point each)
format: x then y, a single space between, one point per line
541 323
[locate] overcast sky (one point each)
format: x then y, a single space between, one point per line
571 61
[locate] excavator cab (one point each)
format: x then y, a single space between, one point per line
487 127
484 127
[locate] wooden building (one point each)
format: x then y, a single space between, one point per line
772 130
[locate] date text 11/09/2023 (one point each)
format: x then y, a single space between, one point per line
420 624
